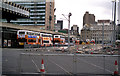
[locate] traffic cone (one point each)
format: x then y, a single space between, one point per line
116 69
42 67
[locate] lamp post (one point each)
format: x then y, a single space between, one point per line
114 37
70 14
103 35
112 8
69 30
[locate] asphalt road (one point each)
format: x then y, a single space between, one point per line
17 61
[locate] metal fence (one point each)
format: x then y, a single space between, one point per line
67 64
28 63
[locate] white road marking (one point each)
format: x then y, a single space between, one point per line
95 65
60 67
36 66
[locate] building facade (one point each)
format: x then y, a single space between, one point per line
88 19
57 27
75 30
99 32
41 13
85 33
60 23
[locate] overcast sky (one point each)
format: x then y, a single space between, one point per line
102 9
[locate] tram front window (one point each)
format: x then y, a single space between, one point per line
21 32
31 40
45 41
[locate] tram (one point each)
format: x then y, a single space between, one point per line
28 37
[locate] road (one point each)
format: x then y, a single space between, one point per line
16 61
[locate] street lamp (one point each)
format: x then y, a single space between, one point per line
112 8
114 37
70 14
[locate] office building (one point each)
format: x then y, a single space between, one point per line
88 19
57 27
75 30
85 33
99 32
41 13
60 23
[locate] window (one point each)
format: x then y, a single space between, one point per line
46 35
57 41
28 33
39 40
62 41
38 34
56 36
21 32
32 33
45 41
31 40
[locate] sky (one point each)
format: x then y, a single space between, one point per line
102 9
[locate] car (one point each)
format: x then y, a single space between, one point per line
80 49
80 52
110 53
86 52
63 49
59 49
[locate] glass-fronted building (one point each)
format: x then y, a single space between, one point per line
41 13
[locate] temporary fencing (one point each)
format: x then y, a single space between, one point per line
68 63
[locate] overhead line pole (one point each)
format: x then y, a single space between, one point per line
114 37
68 29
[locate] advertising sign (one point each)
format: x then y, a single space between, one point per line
5 43
9 43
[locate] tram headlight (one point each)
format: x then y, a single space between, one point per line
21 43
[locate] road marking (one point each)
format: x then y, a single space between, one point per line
60 67
36 66
95 65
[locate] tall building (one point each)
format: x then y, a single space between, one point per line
41 13
57 27
88 19
119 12
85 33
60 23
95 31
75 30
